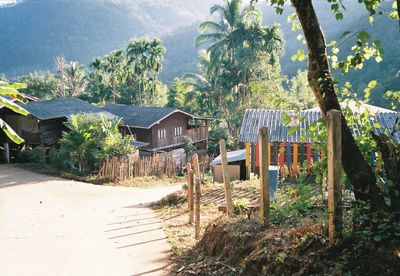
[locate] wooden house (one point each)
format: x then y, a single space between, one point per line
45 123
162 128
288 150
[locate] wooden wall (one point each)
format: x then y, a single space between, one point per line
234 173
169 124
51 131
142 135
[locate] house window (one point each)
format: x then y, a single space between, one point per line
161 134
178 131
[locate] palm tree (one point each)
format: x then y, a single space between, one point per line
75 78
201 86
156 57
146 57
114 66
237 37
225 36
138 55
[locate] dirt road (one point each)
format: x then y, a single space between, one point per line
52 226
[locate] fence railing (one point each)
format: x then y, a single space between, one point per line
198 134
118 169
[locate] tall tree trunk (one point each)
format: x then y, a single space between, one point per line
359 172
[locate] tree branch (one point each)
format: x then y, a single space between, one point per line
319 75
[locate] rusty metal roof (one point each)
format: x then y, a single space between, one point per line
279 132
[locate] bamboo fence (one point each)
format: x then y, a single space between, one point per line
118 169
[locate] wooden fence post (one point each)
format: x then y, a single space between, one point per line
197 181
264 176
225 176
334 176
190 192
248 169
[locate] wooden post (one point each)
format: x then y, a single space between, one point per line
334 176
225 175
248 169
190 192
264 176
197 181
6 147
295 158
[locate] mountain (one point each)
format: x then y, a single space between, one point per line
34 32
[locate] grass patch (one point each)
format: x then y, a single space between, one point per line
148 182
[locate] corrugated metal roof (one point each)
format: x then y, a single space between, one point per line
62 108
142 116
232 156
139 144
278 132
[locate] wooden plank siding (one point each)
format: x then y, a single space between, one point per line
169 124
172 138
51 131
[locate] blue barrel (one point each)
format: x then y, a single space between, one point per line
273 181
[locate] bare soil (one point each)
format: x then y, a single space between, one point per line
244 247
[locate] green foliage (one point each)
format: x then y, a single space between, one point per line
40 84
90 140
71 80
188 146
301 92
375 228
218 133
240 206
145 58
292 203
129 75
176 95
29 155
240 50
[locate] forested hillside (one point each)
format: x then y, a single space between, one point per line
33 33
36 31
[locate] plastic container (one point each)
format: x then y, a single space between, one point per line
273 181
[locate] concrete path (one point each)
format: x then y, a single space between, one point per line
52 226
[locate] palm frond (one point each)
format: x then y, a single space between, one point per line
10 132
217 9
208 38
211 26
14 107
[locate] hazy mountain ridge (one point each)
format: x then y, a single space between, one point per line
35 32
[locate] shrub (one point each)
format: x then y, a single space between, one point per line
292 203
29 155
59 159
240 206
188 146
90 140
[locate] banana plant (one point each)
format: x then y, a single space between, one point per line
11 90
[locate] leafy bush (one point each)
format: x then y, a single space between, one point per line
218 133
188 146
90 140
240 206
58 158
292 203
29 155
